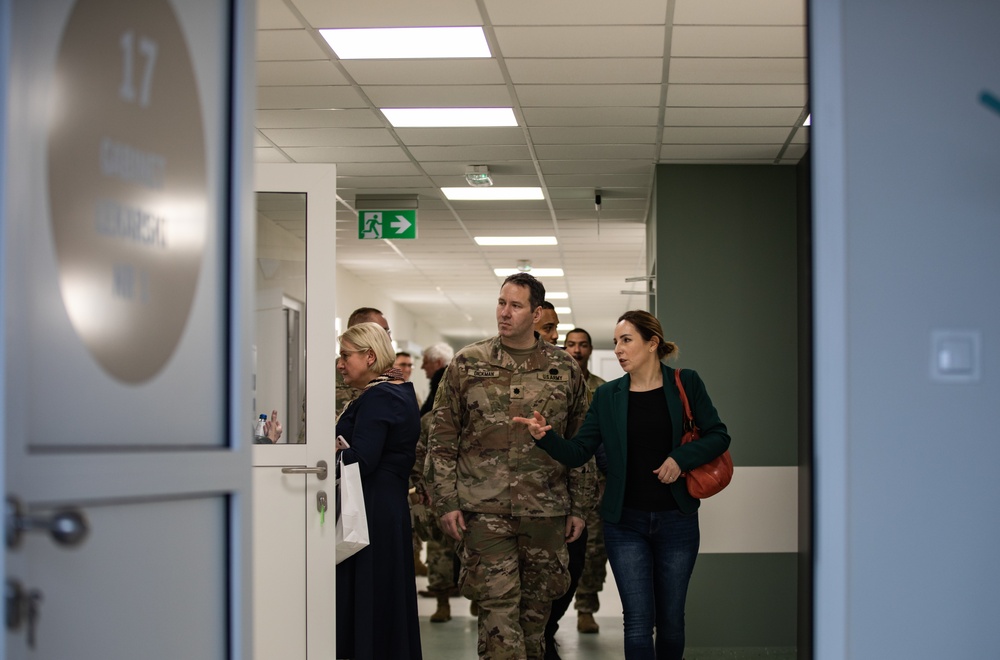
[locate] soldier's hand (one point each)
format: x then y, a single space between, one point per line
453 524
574 528
536 424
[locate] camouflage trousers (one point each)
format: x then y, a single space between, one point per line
595 565
441 564
513 567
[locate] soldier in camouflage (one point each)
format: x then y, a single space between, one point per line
346 393
595 570
510 506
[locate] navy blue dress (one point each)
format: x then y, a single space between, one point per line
376 588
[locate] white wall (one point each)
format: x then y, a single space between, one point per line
906 208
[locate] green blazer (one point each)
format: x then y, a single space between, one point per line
607 422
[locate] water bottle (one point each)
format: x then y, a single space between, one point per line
259 435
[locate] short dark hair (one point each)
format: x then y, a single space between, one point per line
362 314
578 331
547 305
536 290
649 327
402 354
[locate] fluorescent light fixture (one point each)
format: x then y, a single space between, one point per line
809 120
556 295
516 240
564 327
494 192
560 340
449 117
407 43
537 272
563 310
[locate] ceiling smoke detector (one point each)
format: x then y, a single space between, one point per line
524 266
478 176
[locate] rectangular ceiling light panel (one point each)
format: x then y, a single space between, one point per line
495 192
407 43
537 272
449 117
516 240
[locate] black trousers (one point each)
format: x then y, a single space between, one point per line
577 554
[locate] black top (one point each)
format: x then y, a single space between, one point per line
429 403
650 438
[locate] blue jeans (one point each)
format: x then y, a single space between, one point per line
652 555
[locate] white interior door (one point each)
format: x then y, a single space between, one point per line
294 566
124 314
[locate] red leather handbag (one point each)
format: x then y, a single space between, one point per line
708 479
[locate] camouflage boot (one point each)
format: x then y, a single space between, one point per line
585 623
443 611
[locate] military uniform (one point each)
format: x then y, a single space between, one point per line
513 496
345 394
595 567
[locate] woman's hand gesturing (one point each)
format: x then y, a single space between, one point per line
536 424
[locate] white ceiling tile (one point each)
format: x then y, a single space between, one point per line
317 118
632 116
274 15
330 137
460 136
725 135
719 151
348 170
596 180
389 13
595 41
473 154
346 154
795 151
585 70
740 12
313 72
598 151
439 96
588 95
425 72
576 12
788 70
739 41
593 135
706 116
306 98
506 168
287 45
736 95
596 166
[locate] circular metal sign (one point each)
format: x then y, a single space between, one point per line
127 179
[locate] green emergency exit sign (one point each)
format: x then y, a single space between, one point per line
387 224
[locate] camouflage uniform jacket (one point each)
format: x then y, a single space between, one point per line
482 461
593 382
344 394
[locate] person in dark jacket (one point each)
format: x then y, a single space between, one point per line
650 520
376 591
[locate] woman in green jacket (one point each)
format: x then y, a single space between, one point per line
650 521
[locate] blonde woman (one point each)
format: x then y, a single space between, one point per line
376 591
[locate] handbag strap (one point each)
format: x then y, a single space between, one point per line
688 417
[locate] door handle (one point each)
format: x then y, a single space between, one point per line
68 527
320 470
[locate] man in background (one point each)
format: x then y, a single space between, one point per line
547 325
404 362
436 358
346 393
595 571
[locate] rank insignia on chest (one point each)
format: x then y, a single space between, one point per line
556 377
485 373
517 391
